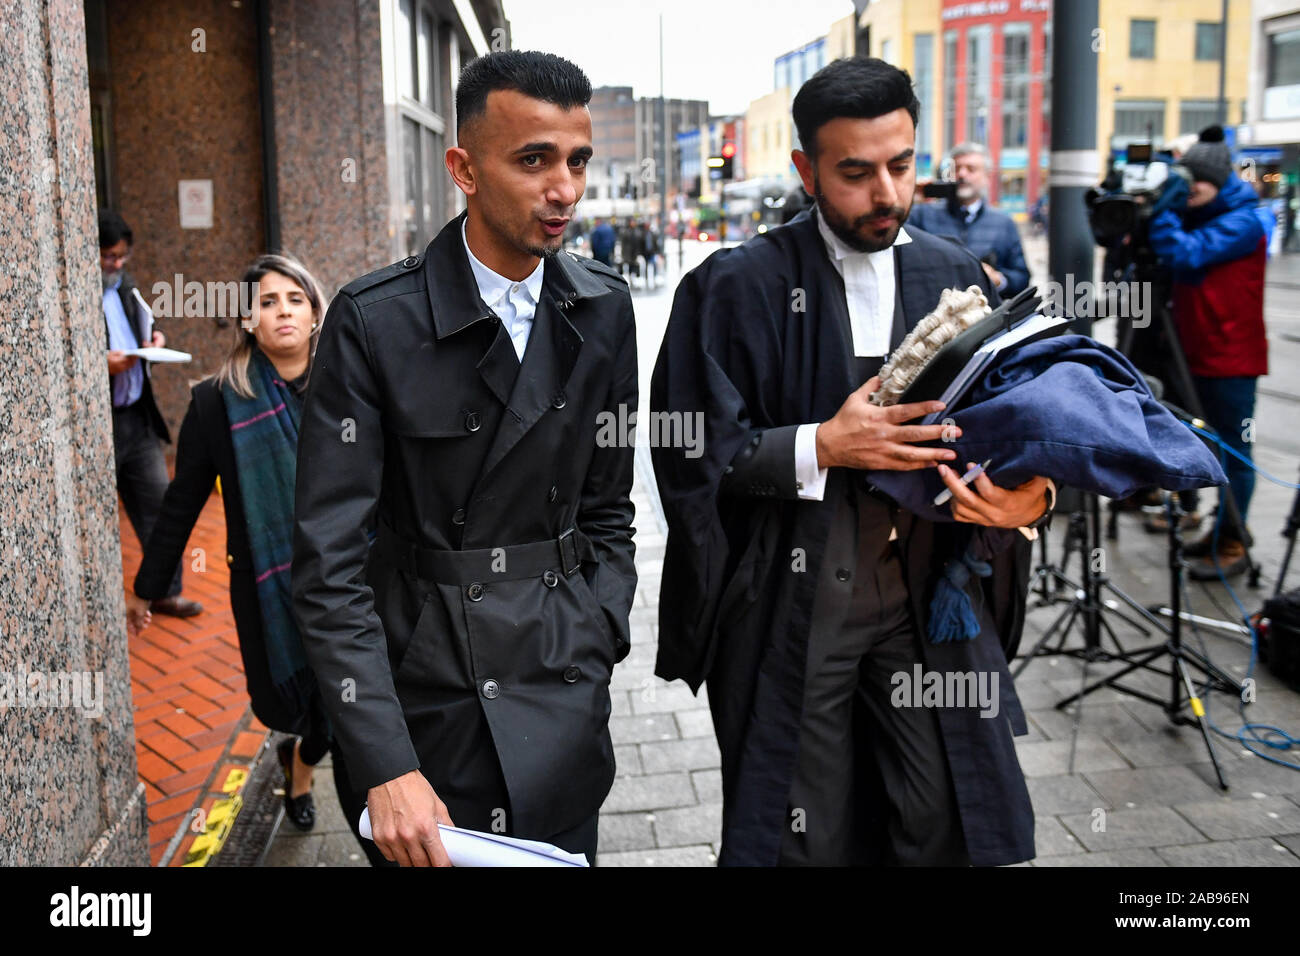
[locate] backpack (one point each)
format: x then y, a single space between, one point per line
1279 637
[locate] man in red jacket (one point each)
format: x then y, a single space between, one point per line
1213 243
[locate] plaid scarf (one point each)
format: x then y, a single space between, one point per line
264 433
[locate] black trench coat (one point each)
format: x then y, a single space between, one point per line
757 342
446 646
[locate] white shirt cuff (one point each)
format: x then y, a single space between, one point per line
808 478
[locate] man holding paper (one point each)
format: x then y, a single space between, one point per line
463 559
138 426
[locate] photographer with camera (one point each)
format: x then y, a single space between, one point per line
1205 231
966 215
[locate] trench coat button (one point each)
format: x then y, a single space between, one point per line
474 592
571 674
550 578
230 559
491 689
843 574
458 516
410 262
558 401
472 422
553 493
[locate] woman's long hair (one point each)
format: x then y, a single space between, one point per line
234 369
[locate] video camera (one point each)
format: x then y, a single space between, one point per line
1121 206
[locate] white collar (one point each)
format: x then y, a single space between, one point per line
492 286
969 212
840 250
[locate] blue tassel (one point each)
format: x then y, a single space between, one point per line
952 618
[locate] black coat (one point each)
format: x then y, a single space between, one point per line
204 453
139 327
758 341
479 667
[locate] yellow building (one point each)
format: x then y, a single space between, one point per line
1158 67
907 34
768 137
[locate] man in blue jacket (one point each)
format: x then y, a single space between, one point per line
1205 231
990 234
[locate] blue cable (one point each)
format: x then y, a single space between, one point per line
1281 739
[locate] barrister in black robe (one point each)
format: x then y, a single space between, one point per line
758 581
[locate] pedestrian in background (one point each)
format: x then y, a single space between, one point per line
138 426
989 233
603 240
241 429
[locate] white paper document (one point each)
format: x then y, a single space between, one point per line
1036 325
151 354
475 848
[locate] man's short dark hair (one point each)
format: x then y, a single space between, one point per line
113 229
859 87
542 76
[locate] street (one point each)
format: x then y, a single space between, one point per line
1150 785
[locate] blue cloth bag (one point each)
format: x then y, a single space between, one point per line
1070 409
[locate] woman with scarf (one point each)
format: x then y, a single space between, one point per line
241 431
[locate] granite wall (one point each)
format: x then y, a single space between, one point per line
331 156
68 787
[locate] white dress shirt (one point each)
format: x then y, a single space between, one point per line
515 303
869 292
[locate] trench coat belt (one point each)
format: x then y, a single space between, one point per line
513 562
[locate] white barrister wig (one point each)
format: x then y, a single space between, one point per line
956 312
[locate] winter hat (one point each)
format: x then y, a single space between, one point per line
1209 159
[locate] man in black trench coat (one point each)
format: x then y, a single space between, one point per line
790 584
453 412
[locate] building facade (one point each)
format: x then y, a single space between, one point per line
219 130
1270 137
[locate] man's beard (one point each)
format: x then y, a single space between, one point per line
109 278
848 232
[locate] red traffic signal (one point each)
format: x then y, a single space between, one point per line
728 150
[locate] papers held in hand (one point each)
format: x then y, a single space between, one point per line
475 848
951 371
151 354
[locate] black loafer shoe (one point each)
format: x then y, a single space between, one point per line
301 811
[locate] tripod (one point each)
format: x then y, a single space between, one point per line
1182 692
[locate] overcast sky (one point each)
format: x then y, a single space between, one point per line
715 50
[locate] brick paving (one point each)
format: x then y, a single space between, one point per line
192 718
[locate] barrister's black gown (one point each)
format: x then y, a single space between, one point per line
757 340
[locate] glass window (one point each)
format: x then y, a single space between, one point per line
887 50
405 68
1284 58
1207 41
1142 39
1015 84
923 81
1195 115
412 201
950 89
979 82
427 45
1143 119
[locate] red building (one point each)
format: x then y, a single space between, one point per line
997 91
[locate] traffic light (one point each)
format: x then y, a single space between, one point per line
728 155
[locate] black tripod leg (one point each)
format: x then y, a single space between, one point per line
1198 708
1069 612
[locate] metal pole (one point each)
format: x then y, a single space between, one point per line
1223 64
1074 159
661 148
